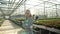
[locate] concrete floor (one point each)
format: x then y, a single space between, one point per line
10 28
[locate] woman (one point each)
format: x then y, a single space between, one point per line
28 23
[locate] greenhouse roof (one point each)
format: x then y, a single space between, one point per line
16 7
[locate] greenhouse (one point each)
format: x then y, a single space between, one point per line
20 16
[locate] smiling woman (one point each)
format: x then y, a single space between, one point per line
28 23
44 9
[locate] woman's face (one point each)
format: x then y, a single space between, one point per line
28 13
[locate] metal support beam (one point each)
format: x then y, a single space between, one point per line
12 4
35 5
24 7
56 12
50 6
17 6
2 12
44 8
50 2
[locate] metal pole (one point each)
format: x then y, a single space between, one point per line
24 7
44 9
22 1
56 11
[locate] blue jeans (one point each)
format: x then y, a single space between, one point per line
29 30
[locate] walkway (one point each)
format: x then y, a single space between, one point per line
10 28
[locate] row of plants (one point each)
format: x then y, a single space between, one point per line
19 19
49 22
1 20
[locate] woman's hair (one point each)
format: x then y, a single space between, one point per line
27 13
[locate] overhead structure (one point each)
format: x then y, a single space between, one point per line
7 7
49 8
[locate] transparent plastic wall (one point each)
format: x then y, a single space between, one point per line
44 8
49 9
58 10
35 6
52 11
19 12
